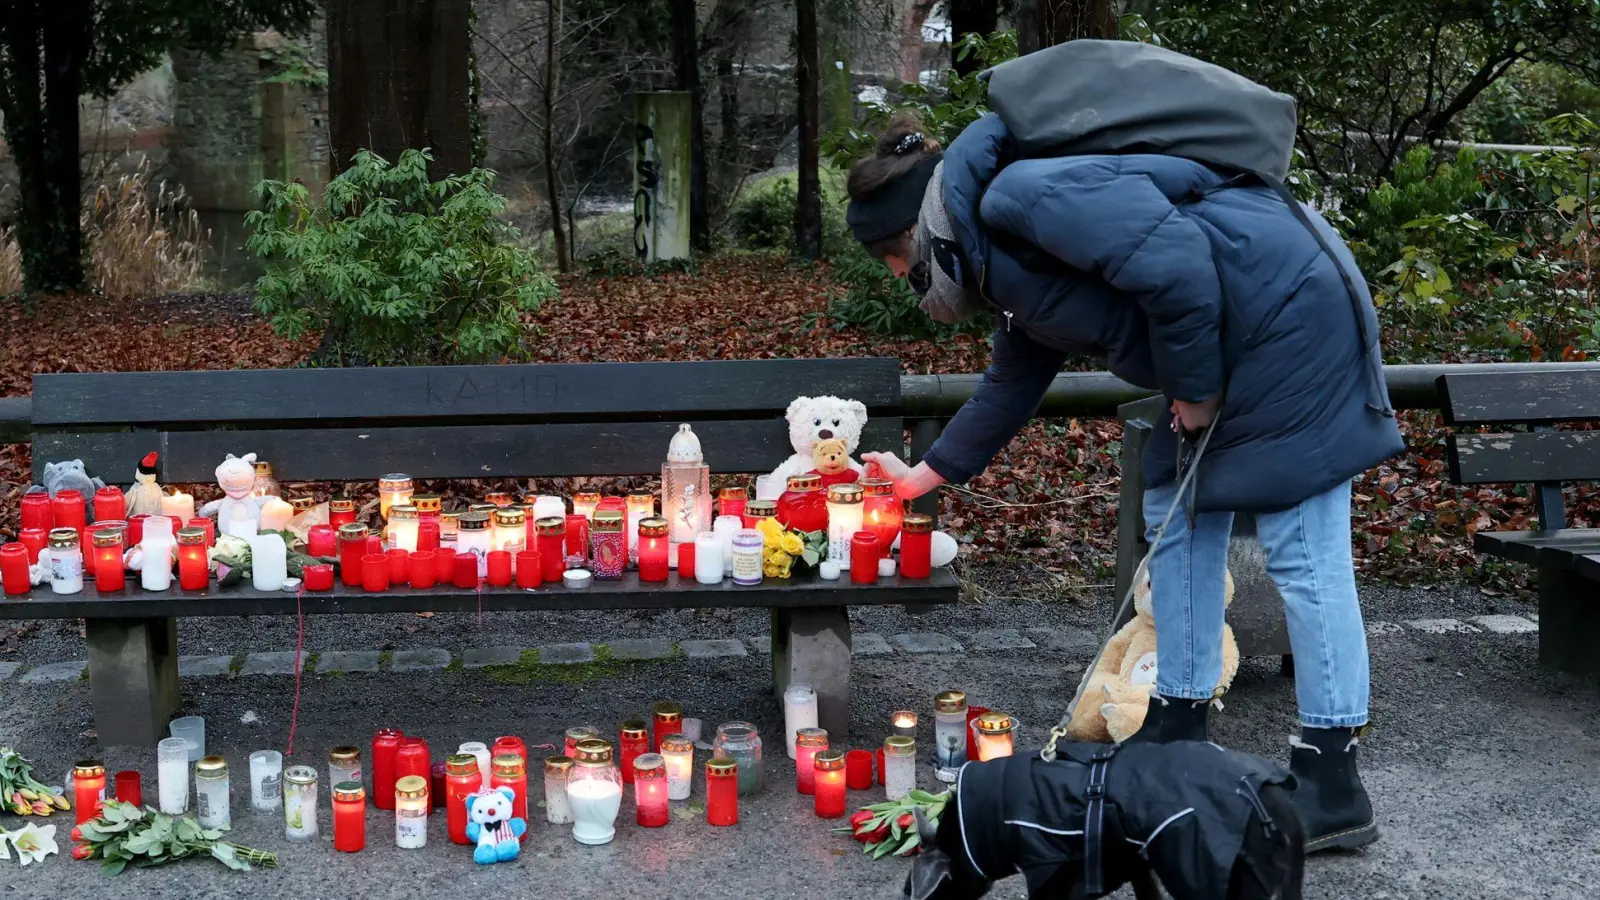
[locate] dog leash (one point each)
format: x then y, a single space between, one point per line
1048 754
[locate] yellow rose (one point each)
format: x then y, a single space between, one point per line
792 544
775 570
769 528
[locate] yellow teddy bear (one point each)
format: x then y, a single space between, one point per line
1117 696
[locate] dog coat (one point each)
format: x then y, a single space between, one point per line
1185 804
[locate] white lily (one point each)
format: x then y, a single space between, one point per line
34 843
5 843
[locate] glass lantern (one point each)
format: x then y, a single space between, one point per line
741 742
844 519
686 487
994 735
594 791
882 512
393 490
265 485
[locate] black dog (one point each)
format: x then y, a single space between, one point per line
1208 823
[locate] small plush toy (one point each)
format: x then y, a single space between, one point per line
144 495
832 458
491 824
1118 694
70 476
236 476
813 420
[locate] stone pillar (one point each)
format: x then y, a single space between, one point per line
661 159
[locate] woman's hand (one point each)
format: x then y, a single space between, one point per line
909 483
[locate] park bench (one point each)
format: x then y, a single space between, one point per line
1523 409
483 422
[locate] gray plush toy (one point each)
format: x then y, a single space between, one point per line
70 476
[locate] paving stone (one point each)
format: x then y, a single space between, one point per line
1064 640
70 670
1442 626
1506 624
1383 629
277 662
7 669
761 645
714 648
926 642
428 659
869 644
348 661
641 648
479 657
998 639
204 666
566 654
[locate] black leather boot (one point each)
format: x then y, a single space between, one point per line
1173 719
1332 803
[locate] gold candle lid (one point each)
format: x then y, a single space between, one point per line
211 765
404 512
549 526
557 765
300 775
411 787
461 764
594 752
900 745
720 767
499 499
878 487
666 712
344 753
733 493
341 504
641 501
950 702
263 467
62 538
303 503
761 509
993 723
607 521
587 498
805 483
185 536
633 728
355 531
111 537
510 517
427 503
649 765
508 765
350 791
829 760
845 493
475 521
90 768
395 482
916 523
677 743
655 526
811 737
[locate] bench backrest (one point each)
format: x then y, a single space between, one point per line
448 422
1536 453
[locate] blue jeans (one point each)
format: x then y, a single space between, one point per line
1308 556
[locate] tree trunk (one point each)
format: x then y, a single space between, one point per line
686 56
399 77
970 17
911 41
808 204
1045 23
552 165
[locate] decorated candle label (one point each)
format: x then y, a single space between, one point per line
410 828
65 565
610 555
746 567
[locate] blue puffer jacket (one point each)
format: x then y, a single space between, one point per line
1179 280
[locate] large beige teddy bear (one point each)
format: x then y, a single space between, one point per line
1114 702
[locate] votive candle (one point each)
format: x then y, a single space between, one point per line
317 578
88 787
576 735
207 525
411 795
394 490
211 794
633 742
577 543
882 512
864 558
808 743
67 510
649 790
584 503
109 573
266 780
14 570
757 510
858 769
38 511
428 535
685 561
828 794
708 565
653 549
557 806
424 573
609 548
300 804
799 711
994 735
499 568
916 546
510 770
128 788
35 539
552 546
110 504
530 569
899 766
546 506
465 576
462 780
349 817
352 547
193 573
275 513
844 519
375 572
341 512
444 564
677 753
667 719
385 748
722 792
172 775
176 505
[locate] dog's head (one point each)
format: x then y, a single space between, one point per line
942 871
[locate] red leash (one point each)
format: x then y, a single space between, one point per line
299 649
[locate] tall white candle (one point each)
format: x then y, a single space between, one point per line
725 528
480 751
678 752
844 520
595 803
708 565
159 550
545 506
211 793
275 514
268 562
266 780
799 711
240 524
178 505
172 774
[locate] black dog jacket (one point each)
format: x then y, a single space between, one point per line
1185 804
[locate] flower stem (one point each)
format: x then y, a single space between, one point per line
259 857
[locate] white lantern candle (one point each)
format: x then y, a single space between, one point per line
510 531
799 711
393 490
178 505
949 734
275 514
159 549
994 735
172 774
266 780
480 751
545 506
269 564
844 519
403 521
678 752
899 766
685 487
708 565
726 528
240 524
211 793
583 504
557 808
65 562
640 507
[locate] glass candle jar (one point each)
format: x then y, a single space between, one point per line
128 788
577 546
322 541
429 507
109 576
412 758
172 775
16 578
726 528
88 789
916 546
498 499
265 485
352 546
193 573
474 538
858 769
666 718
757 510
650 790
641 506
903 721
38 511
349 817
341 512
686 487
828 790
994 731
393 490
747 557
478 751
708 563
882 512
207 525
608 553
266 780
211 793
546 506
67 508
799 711
633 741
110 504
803 506
375 572
576 735
741 742
844 519
66 561
511 771
300 804
722 791
411 813
36 539
403 521
557 769
864 558
949 734
344 764
653 550
449 526
595 792
584 502
499 568
808 743
552 546
510 529
731 502
677 754
899 766
530 569
385 747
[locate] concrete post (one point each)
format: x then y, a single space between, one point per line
663 143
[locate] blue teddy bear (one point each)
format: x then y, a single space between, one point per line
490 822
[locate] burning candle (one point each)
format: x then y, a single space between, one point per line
424 571
275 513
212 806
109 576
641 506
722 792
466 572
349 817
265 485
38 511
266 780
318 578
677 754
109 504
209 526
667 719
757 510
375 572
474 538
899 766
66 561
650 790
530 569
708 568
633 742
828 789
35 540
393 490
949 734
178 505
864 558
128 788
193 573
903 721
799 711
844 519
557 808
14 571
88 787
403 526
353 546
882 512
499 568
994 735
552 546
653 549
300 804
576 735
510 530
858 769
411 813
385 747
172 775
808 743
595 792
67 510
584 503
341 512
916 546
461 780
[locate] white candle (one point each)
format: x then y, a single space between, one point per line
481 751
545 506
172 774
886 568
275 514
799 711
595 802
557 808
725 528
240 523
678 752
266 780
211 793
828 570
899 767
844 520
708 567
268 562
159 551
178 505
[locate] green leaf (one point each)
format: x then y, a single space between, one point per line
113 866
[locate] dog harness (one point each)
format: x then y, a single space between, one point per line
1184 806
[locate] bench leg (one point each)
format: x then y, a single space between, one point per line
1569 622
133 678
811 645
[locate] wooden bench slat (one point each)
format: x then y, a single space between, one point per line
624 593
1534 398
1589 566
447 451
1528 546
613 390
1539 456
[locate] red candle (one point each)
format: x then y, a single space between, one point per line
530 569
318 577
34 540
375 544
830 782
510 770
648 773
466 573
353 546
444 565
193 574
128 788
375 578
732 501
322 541
578 536
808 742
668 720
499 574
349 818
881 513
342 512
88 786
105 562
722 792
883 775
424 571
437 776
109 504
509 744
136 529
634 742
973 712
553 547
916 546
864 558
385 749
803 506
209 526
686 560
653 550
427 536
411 758
14 570
399 566
69 510
38 511
756 510
612 501
461 780
858 769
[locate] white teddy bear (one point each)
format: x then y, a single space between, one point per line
811 420
236 476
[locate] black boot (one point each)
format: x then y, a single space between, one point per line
1332 803
1173 719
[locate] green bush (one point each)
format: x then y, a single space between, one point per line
394 269
885 306
762 218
